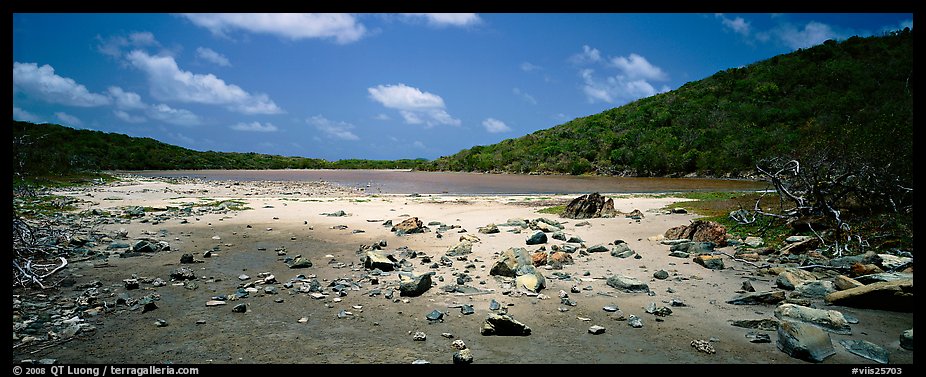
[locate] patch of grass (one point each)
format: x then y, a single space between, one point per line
231 204
360 200
554 210
64 181
42 205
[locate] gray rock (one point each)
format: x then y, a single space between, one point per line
410 225
597 249
757 298
537 238
187 258
627 284
373 260
300 262
754 242
182 273
414 285
866 349
634 321
759 324
829 320
575 239
883 277
711 262
510 261
891 295
335 214
796 239
621 250
693 247
805 342
488 229
747 286
892 262
160 323
240 308
595 330
462 248
558 235
419 336
758 337
906 340
467 310
143 246
504 325
589 206
610 308
678 211
243 277
434 315
661 274
815 289
494 305
420 361
679 254
792 277
464 356
130 284
675 242
677 303
532 281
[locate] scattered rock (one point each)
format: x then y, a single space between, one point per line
634 321
510 261
240 308
466 310
800 247
558 235
829 320
160 323
679 254
420 361
182 273
531 279
243 277
890 295
815 289
712 262
595 330
419 336
627 284
130 284
537 238
376 260
489 229
458 344
621 250
790 278
805 342
703 346
589 206
539 258
504 325
414 285
754 242
756 298
760 324
635 215
186 258
661 274
906 340
693 247
410 225
843 282
560 258
795 239
883 277
747 286
661 311
435 315
758 337
462 248
335 214
610 308
215 303
494 305
700 231
866 349
300 262
892 262
464 356
471 238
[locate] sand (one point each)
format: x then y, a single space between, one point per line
289 216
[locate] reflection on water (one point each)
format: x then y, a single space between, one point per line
407 182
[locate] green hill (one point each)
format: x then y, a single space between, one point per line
853 98
49 149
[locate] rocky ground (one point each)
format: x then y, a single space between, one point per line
186 271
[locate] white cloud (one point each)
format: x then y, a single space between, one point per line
183 138
528 67
126 100
381 116
180 117
738 24
495 126
42 82
332 129
128 118
210 55
588 55
525 96
169 83
812 34
254 127
341 27
415 106
637 67
418 144
898 27
113 46
448 19
68 119
25 116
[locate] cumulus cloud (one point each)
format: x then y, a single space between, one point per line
167 114
419 145
114 45
529 67
25 116
813 33
631 81
448 19
525 96
169 83
210 55
737 25
588 55
128 118
126 100
341 27
414 105
68 119
332 129
43 83
254 127
495 126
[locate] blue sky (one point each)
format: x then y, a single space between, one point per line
378 86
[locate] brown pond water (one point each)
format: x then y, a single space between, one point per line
407 182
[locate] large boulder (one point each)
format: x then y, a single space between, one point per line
589 206
537 238
700 231
805 342
509 262
409 226
866 349
373 260
889 295
414 285
627 284
829 320
504 325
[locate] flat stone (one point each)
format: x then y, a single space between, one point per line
243 277
843 282
597 249
891 262
883 277
434 315
759 324
890 295
300 262
758 337
595 330
621 250
747 286
679 254
829 320
627 284
182 273
815 289
240 308
510 261
488 229
674 242
757 298
794 239
461 248
866 349
376 260
467 310
712 262
494 305
792 277
610 308
805 342
754 242
504 325
215 303
661 274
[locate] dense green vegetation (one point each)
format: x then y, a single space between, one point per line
49 150
851 98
